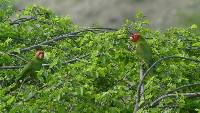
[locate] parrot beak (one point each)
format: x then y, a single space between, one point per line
41 56
135 37
131 38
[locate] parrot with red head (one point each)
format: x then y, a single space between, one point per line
30 69
33 66
143 50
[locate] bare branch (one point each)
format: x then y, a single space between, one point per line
61 37
169 106
192 48
103 28
25 19
154 103
10 67
20 20
137 97
142 70
55 39
181 87
142 86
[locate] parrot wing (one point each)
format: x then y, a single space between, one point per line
144 51
29 70
26 71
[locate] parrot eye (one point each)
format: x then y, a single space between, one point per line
135 37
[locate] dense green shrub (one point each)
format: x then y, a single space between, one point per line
93 69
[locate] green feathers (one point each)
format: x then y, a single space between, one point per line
30 70
144 51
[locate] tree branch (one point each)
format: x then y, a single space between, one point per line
17 57
181 87
61 37
75 59
142 70
10 54
46 65
102 28
154 103
55 39
10 67
137 97
20 20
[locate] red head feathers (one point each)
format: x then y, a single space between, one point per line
39 54
135 37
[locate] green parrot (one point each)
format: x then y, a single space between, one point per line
30 69
142 48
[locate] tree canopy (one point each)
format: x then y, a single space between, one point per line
96 69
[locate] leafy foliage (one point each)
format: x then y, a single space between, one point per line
94 69
6 9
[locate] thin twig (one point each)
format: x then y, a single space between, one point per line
168 107
103 28
18 57
192 48
137 97
75 59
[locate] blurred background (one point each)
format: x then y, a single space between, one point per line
112 13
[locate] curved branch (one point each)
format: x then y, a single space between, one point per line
137 97
154 103
181 87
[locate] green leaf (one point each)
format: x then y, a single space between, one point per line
11 100
197 44
55 61
17 50
194 26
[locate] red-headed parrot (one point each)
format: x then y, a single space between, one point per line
30 69
142 48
